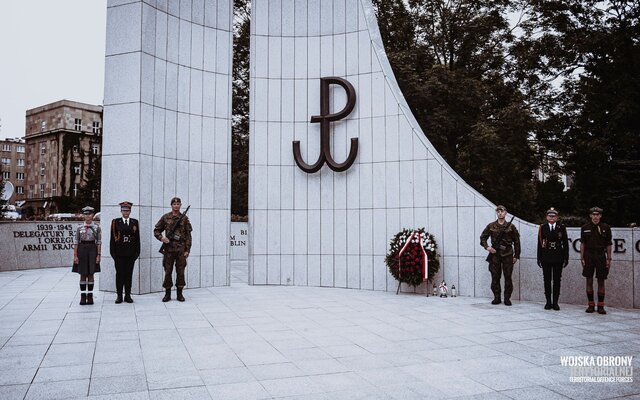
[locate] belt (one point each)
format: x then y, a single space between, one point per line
87 241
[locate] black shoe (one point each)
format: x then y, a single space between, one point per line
179 295
556 307
601 310
167 295
119 299
590 309
127 298
496 301
89 298
507 302
83 299
547 306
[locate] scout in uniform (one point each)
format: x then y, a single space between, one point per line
595 255
503 254
125 250
553 256
176 246
86 254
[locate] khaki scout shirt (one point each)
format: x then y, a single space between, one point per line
181 240
595 238
510 238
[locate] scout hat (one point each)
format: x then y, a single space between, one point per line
126 206
501 208
88 210
595 210
176 200
552 211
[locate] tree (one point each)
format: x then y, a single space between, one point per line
451 62
581 60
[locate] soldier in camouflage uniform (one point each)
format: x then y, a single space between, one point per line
503 255
176 248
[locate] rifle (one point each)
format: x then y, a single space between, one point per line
173 230
496 245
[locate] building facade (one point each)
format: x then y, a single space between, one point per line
63 147
13 167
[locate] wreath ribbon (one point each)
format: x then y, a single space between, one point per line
425 260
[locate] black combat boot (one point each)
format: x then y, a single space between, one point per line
179 295
590 309
89 298
601 310
119 298
167 295
507 302
496 300
127 298
83 299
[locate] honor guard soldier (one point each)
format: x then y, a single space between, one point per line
125 250
595 255
87 242
503 253
176 244
553 256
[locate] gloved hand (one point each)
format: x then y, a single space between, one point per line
539 264
565 264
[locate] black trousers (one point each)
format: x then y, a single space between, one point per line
552 272
124 273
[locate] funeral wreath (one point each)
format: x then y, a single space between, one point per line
406 257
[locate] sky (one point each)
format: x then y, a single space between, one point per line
50 50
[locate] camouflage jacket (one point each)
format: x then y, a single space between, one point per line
510 240
181 240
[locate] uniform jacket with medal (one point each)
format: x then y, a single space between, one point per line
553 247
125 239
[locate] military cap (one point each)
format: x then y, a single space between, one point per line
552 211
595 210
126 206
176 200
88 210
501 208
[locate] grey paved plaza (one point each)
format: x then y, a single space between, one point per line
244 342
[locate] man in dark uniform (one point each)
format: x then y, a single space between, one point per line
595 255
503 256
553 256
125 250
177 244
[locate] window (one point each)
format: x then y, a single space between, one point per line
6 147
20 162
77 124
20 176
54 189
42 185
76 169
41 169
31 191
43 148
76 150
6 161
6 175
96 127
19 189
95 149
43 126
20 149
75 189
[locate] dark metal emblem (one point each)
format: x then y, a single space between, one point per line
325 119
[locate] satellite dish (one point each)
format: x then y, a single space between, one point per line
8 191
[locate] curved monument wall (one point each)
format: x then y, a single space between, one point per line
333 228
167 113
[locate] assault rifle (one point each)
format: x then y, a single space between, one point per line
496 245
172 231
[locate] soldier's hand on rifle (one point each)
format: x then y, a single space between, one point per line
491 250
165 240
186 254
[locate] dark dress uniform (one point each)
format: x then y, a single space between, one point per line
125 250
502 261
174 252
596 242
553 256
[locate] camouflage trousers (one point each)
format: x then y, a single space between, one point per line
171 258
498 266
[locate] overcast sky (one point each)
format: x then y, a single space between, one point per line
49 50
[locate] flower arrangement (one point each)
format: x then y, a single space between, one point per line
406 260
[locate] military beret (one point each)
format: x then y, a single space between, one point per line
501 208
552 211
88 210
126 206
595 210
176 200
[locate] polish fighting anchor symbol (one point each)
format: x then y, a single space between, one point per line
325 119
